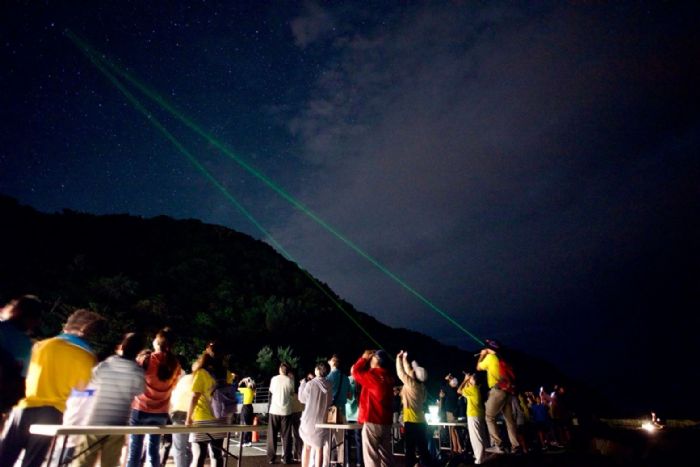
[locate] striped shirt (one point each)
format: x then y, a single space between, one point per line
116 380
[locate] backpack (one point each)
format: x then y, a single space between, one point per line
223 400
507 380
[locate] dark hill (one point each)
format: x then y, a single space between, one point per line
206 282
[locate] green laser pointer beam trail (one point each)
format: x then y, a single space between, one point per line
164 104
198 165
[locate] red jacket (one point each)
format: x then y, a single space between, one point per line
377 392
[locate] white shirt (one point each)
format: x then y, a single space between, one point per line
281 390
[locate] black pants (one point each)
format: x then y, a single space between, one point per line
247 419
295 421
416 439
17 437
282 425
199 452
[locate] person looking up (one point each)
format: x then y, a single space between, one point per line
413 396
57 366
500 381
315 394
280 415
17 321
371 371
207 371
475 415
162 370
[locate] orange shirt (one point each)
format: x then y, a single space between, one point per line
156 397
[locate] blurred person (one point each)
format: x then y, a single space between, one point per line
396 409
560 416
371 371
208 371
540 419
179 404
351 413
116 381
451 406
17 322
475 415
247 389
315 393
341 387
280 415
57 366
295 421
499 378
161 372
520 416
413 396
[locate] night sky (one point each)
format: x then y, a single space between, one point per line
531 168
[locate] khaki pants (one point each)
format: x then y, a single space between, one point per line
497 402
376 445
107 448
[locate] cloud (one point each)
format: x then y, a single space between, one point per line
492 159
314 24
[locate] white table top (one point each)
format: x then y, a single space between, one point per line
60 430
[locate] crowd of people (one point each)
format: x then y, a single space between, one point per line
59 380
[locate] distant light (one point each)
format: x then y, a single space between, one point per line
648 426
432 415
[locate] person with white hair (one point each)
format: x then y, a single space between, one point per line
413 396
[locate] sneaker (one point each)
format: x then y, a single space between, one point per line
495 450
247 445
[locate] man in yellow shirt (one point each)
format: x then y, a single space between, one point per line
57 366
499 398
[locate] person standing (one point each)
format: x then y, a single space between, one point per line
179 404
17 320
500 381
413 396
57 366
315 394
116 381
209 370
451 405
371 371
162 370
351 412
340 389
247 389
280 415
475 415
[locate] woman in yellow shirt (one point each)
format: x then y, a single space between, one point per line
207 370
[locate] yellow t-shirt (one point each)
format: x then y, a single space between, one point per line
473 396
411 416
56 368
493 372
204 383
248 395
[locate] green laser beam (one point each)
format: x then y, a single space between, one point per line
208 175
164 104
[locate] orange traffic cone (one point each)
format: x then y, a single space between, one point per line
256 434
